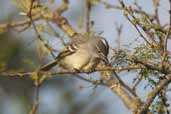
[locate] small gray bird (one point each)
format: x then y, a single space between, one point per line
82 53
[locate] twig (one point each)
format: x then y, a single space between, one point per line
20 23
49 48
138 80
118 39
166 36
64 25
153 94
124 95
49 14
36 105
88 80
34 108
128 18
131 91
64 6
139 11
88 11
156 6
56 34
53 73
149 65
37 32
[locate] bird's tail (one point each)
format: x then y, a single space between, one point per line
48 66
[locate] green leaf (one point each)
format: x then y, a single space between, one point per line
34 75
43 77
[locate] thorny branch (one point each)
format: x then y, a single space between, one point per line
37 81
117 87
53 73
129 12
46 15
154 93
153 19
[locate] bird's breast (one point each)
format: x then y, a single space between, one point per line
76 61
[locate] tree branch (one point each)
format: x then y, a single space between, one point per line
154 93
52 73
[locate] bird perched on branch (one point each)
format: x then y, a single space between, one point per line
82 53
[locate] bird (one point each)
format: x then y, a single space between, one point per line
82 53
